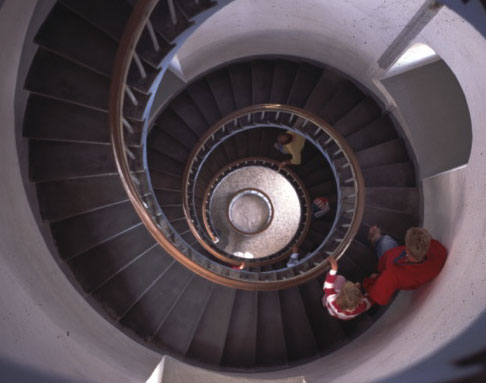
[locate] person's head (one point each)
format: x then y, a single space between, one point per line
417 242
350 296
284 138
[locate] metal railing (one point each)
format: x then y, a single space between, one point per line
133 170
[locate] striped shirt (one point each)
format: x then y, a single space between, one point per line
330 295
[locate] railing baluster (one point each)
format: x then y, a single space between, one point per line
140 67
131 96
172 11
153 36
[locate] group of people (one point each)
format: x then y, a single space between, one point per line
399 268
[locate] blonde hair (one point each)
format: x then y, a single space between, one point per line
417 242
349 297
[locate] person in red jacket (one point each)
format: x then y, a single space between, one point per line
403 267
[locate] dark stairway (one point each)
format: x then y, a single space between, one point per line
107 252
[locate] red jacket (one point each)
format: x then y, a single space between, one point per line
400 275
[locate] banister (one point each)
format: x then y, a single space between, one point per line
138 20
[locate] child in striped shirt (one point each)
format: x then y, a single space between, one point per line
343 299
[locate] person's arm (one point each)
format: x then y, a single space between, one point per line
383 288
331 278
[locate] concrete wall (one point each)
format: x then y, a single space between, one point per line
434 108
49 327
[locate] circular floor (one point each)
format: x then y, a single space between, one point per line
255 211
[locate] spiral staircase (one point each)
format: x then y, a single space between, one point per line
198 307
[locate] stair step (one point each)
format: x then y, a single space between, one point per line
178 328
97 265
58 77
283 78
396 175
404 200
165 143
77 234
375 133
51 160
299 336
120 291
154 305
346 97
393 151
163 23
240 75
163 163
240 347
111 16
47 118
208 343
262 74
65 198
71 36
168 196
187 110
362 114
204 99
270 349
323 91
220 85
304 82
172 125
165 181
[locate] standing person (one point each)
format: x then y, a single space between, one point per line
403 267
343 299
290 143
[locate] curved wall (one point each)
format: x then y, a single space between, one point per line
49 326
419 323
48 331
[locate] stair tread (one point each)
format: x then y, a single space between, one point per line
362 114
240 346
154 305
345 98
283 78
374 133
304 82
65 198
162 21
178 328
95 266
51 160
119 292
299 337
403 199
271 348
209 339
398 175
220 85
240 75
262 74
77 234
